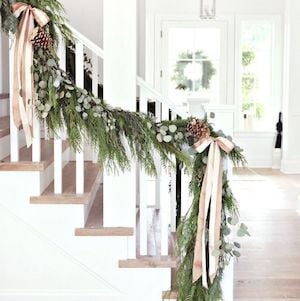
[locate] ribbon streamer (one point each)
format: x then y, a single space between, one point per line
23 90
210 202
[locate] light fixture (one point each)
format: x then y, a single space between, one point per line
207 9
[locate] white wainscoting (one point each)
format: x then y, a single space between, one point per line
258 147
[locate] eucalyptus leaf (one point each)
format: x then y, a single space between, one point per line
51 63
42 84
172 128
168 138
159 137
68 95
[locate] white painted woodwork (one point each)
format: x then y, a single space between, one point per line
58 161
173 189
80 153
143 190
119 40
14 131
95 83
164 197
36 140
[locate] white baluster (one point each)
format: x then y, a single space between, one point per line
164 200
173 190
36 140
158 112
58 161
95 83
14 131
143 181
79 154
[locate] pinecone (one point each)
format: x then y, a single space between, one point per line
198 129
42 39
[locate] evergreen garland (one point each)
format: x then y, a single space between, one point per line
120 135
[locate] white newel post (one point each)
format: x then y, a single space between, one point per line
119 42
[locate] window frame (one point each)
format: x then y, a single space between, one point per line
161 26
276 68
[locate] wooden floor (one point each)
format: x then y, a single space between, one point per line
269 268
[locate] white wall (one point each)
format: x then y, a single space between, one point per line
4 66
86 17
291 150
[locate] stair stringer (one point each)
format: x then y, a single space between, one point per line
98 254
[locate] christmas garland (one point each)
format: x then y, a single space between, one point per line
113 131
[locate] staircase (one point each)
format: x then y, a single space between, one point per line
56 242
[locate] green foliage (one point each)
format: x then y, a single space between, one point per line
248 57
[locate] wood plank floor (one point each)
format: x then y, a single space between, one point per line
269 269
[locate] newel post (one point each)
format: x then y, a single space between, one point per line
119 69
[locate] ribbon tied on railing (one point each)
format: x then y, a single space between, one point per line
210 208
23 90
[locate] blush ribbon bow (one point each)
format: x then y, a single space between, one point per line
23 90
210 203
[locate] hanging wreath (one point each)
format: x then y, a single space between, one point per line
205 66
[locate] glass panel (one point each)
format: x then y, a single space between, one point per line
207 43
194 63
256 76
184 48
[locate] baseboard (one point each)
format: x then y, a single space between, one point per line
58 295
290 166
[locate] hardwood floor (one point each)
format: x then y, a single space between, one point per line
269 268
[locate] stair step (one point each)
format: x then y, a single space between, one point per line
104 231
169 295
25 163
4 96
94 223
4 126
69 196
148 262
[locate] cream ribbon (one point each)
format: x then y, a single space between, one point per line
23 90
210 202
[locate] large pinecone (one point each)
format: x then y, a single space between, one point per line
198 129
42 39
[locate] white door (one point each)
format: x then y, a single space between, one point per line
195 60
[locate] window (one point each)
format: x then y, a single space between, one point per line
195 61
257 65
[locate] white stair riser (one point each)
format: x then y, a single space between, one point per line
5 144
4 107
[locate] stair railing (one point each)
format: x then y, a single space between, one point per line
165 191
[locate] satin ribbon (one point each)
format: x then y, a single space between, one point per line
210 202
23 90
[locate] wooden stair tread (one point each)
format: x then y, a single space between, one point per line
25 163
69 196
169 295
148 262
4 126
94 223
4 96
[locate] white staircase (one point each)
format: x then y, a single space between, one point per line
55 244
